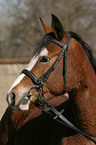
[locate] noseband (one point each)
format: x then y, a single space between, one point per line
41 81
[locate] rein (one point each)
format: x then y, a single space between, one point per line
38 84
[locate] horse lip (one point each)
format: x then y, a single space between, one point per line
24 106
21 107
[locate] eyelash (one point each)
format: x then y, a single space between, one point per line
45 59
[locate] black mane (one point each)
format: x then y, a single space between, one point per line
47 39
86 47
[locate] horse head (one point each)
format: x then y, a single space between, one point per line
19 96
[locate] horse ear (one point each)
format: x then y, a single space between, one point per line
47 28
57 27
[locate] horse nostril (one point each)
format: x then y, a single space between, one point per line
11 99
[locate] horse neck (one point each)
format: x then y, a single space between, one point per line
83 101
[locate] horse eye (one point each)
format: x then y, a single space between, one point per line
45 59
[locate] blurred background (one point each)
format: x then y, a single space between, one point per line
20 31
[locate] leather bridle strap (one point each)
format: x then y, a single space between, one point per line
45 76
65 47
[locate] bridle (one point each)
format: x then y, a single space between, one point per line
38 84
41 81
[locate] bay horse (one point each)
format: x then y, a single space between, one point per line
80 86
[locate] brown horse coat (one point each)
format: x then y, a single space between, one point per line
81 82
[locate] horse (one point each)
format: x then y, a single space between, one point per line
78 80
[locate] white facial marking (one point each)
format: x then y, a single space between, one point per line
21 92
17 81
43 52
